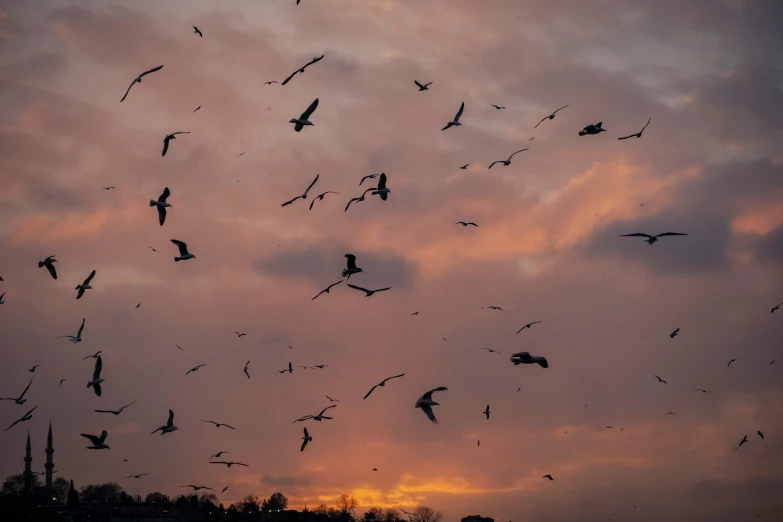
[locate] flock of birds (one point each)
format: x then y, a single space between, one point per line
425 402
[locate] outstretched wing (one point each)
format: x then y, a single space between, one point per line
89 278
165 145
351 261
158 68
381 182
671 234
491 164
428 411
313 183
542 120
332 406
517 152
51 269
459 112
25 390
306 114
183 248
95 440
161 215
79 333
103 436
636 234
96 374
170 422
126 92
428 395
369 392
166 194
418 84
358 288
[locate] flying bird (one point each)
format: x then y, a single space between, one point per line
228 464
382 383
137 476
183 251
153 249
638 134
351 266
760 435
96 381
425 87
777 307
670 413
302 69
320 197
506 162
465 166
731 361
548 477
218 424
168 138
62 381
245 370
303 120
487 412
495 308
360 198
138 80
196 31
195 488
332 400
318 417
19 400
197 108
368 293
498 107
528 325
426 403
490 350
93 356
592 129
675 333
290 369
195 368
1 298
26 417
226 488
108 188
303 196
168 427
415 313
526 358
49 264
161 204
270 83
138 305
326 290
552 117
74 338
239 334
307 438
31 370
98 443
652 239
381 190
455 122
85 285
116 412
217 455
466 223
368 176
661 380
702 390
743 441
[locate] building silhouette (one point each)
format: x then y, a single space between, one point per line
28 463
477 518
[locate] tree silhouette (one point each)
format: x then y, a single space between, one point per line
277 502
156 498
346 504
249 504
425 514
61 487
108 492
73 496
15 484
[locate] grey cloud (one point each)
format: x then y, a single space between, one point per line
286 480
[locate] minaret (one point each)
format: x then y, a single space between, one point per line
28 471
49 464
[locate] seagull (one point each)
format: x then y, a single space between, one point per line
137 476
195 368
138 80
326 290
731 361
239 334
332 400
302 69
495 308
360 198
351 268
161 204
507 162
217 455
526 358
49 264
320 366
1 298
652 239
421 87
19 400
307 438
670 413
675 333
96 381
382 383
97 442
487 412
289 370
218 424
415 313
183 251
771 311
226 488
466 223
116 412
498 107
528 325
638 134
74 338
31 370
138 305
318 417
368 292
303 120
245 370
94 356
228 464
552 116
661 380
368 176
548 477
592 129
303 196
760 435
270 83
381 190
168 427
153 249
490 350
426 403
196 31
702 390
195 488
197 108
743 441
465 166
85 285
478 443
172 136
26 417
456 118
108 188
62 381
321 197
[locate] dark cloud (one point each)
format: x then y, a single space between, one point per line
286 481
770 247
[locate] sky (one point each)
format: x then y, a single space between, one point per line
709 73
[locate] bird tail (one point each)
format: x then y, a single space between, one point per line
152 202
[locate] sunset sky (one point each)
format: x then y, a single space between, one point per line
709 73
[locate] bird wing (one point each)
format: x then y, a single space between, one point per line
306 114
382 289
289 78
490 166
645 125
126 92
629 136
517 152
542 362
183 248
291 201
636 234
161 215
98 366
358 288
300 419
180 132
107 411
393 377
428 395
351 261
418 84
165 145
89 278
158 68
381 182
95 440
25 390
448 126
166 194
369 392
560 109
322 411
79 333
349 204
459 112
51 269
170 422
97 389
428 411
103 436
314 60
542 120
313 183
671 234
335 284
131 404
